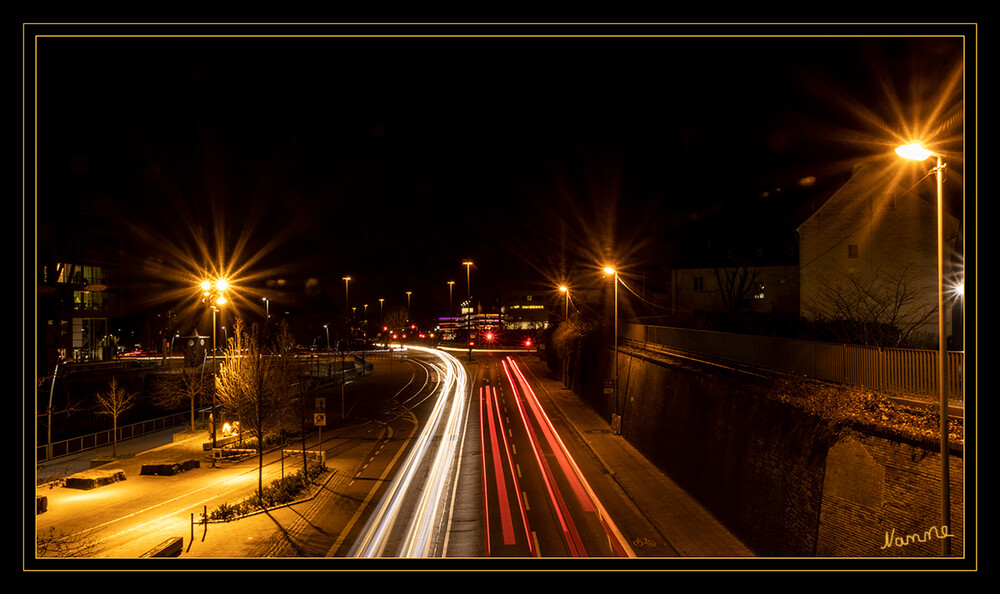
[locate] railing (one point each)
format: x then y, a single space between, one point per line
908 371
102 438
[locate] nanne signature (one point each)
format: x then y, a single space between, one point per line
891 540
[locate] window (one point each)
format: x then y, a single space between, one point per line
852 250
699 283
759 294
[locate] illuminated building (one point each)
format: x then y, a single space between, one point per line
524 310
78 293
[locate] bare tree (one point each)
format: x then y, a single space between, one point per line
114 402
397 318
248 382
880 309
78 544
737 286
188 386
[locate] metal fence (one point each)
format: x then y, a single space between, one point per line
908 371
102 438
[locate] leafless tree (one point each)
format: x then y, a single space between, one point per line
737 286
114 402
53 544
880 309
188 386
397 318
248 383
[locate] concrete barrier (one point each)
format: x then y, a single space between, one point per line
92 479
169 469
171 547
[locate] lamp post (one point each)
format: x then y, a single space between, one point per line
347 299
917 153
468 293
451 307
468 278
347 308
214 296
565 290
611 271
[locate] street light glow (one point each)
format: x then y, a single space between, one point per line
914 151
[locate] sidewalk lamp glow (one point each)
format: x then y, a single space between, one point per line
917 152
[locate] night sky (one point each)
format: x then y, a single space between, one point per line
393 159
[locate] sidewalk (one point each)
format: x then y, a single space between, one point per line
186 447
687 526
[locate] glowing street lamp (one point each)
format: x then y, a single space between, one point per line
565 290
347 300
214 296
468 278
917 152
612 272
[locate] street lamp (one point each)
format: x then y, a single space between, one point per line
612 272
565 290
451 308
468 288
917 152
468 278
214 296
347 300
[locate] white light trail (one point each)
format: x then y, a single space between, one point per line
445 429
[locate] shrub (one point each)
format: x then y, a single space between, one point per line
277 492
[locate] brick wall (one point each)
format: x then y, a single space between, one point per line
783 481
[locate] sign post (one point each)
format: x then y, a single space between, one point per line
319 418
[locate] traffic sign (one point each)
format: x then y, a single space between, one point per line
319 419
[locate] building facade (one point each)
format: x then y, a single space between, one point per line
524 310
78 293
869 253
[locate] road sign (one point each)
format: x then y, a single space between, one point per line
320 405
319 419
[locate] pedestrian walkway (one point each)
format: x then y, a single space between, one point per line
687 526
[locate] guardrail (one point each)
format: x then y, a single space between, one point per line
909 371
